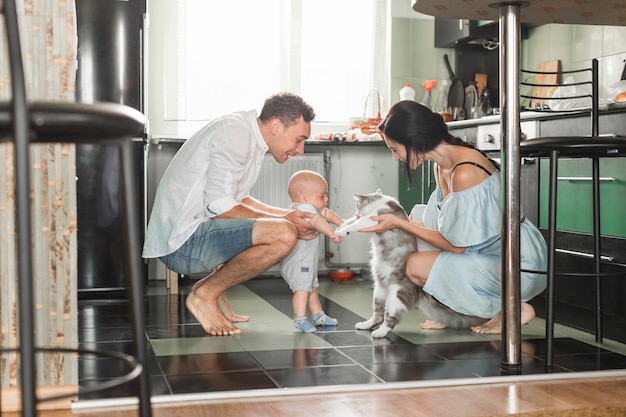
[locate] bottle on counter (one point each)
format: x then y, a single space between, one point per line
407 92
428 85
441 100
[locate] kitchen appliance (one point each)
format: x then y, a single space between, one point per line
471 102
110 34
456 93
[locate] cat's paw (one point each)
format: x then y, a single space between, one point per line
382 331
364 325
350 227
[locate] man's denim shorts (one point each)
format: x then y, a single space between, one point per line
213 243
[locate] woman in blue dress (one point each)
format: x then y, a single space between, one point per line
459 231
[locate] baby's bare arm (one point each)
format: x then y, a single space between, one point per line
320 224
332 217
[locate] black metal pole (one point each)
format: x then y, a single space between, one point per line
133 258
552 200
22 198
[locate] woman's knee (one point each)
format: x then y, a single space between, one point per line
413 270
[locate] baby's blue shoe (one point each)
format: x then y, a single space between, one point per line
304 325
321 319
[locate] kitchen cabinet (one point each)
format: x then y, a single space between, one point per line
574 211
574 186
574 296
452 32
422 186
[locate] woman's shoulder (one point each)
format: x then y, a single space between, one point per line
468 174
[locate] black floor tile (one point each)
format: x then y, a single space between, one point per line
158 386
219 381
369 355
300 358
466 350
590 362
492 367
105 334
325 375
207 362
564 346
419 371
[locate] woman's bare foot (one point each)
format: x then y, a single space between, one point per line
208 313
433 325
228 312
494 326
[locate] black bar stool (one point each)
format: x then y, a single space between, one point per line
24 123
593 146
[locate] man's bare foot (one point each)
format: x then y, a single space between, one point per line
208 313
494 326
201 281
228 312
433 325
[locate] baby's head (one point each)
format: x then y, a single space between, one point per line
308 187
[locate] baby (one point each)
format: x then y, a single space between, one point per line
307 190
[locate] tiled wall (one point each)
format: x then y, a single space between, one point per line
415 59
575 46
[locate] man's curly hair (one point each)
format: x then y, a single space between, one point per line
288 108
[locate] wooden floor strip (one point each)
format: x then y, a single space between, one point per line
574 397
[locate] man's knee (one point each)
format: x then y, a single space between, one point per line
281 234
287 234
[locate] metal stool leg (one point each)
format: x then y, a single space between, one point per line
596 245
554 168
136 283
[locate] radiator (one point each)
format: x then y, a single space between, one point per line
271 187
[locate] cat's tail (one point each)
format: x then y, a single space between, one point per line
437 311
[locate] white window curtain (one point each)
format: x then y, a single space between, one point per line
222 56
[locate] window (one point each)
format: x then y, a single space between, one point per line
222 56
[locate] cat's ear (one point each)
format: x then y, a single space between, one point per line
379 191
357 197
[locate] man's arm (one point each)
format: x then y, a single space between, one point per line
252 208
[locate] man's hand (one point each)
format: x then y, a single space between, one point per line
298 218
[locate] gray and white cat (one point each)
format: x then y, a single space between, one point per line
394 294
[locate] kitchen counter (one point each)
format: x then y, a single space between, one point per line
337 143
606 109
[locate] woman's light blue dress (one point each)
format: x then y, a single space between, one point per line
470 282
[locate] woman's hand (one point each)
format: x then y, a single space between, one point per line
385 222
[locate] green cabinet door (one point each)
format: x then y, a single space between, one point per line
421 188
574 195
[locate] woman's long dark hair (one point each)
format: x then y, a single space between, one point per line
419 130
